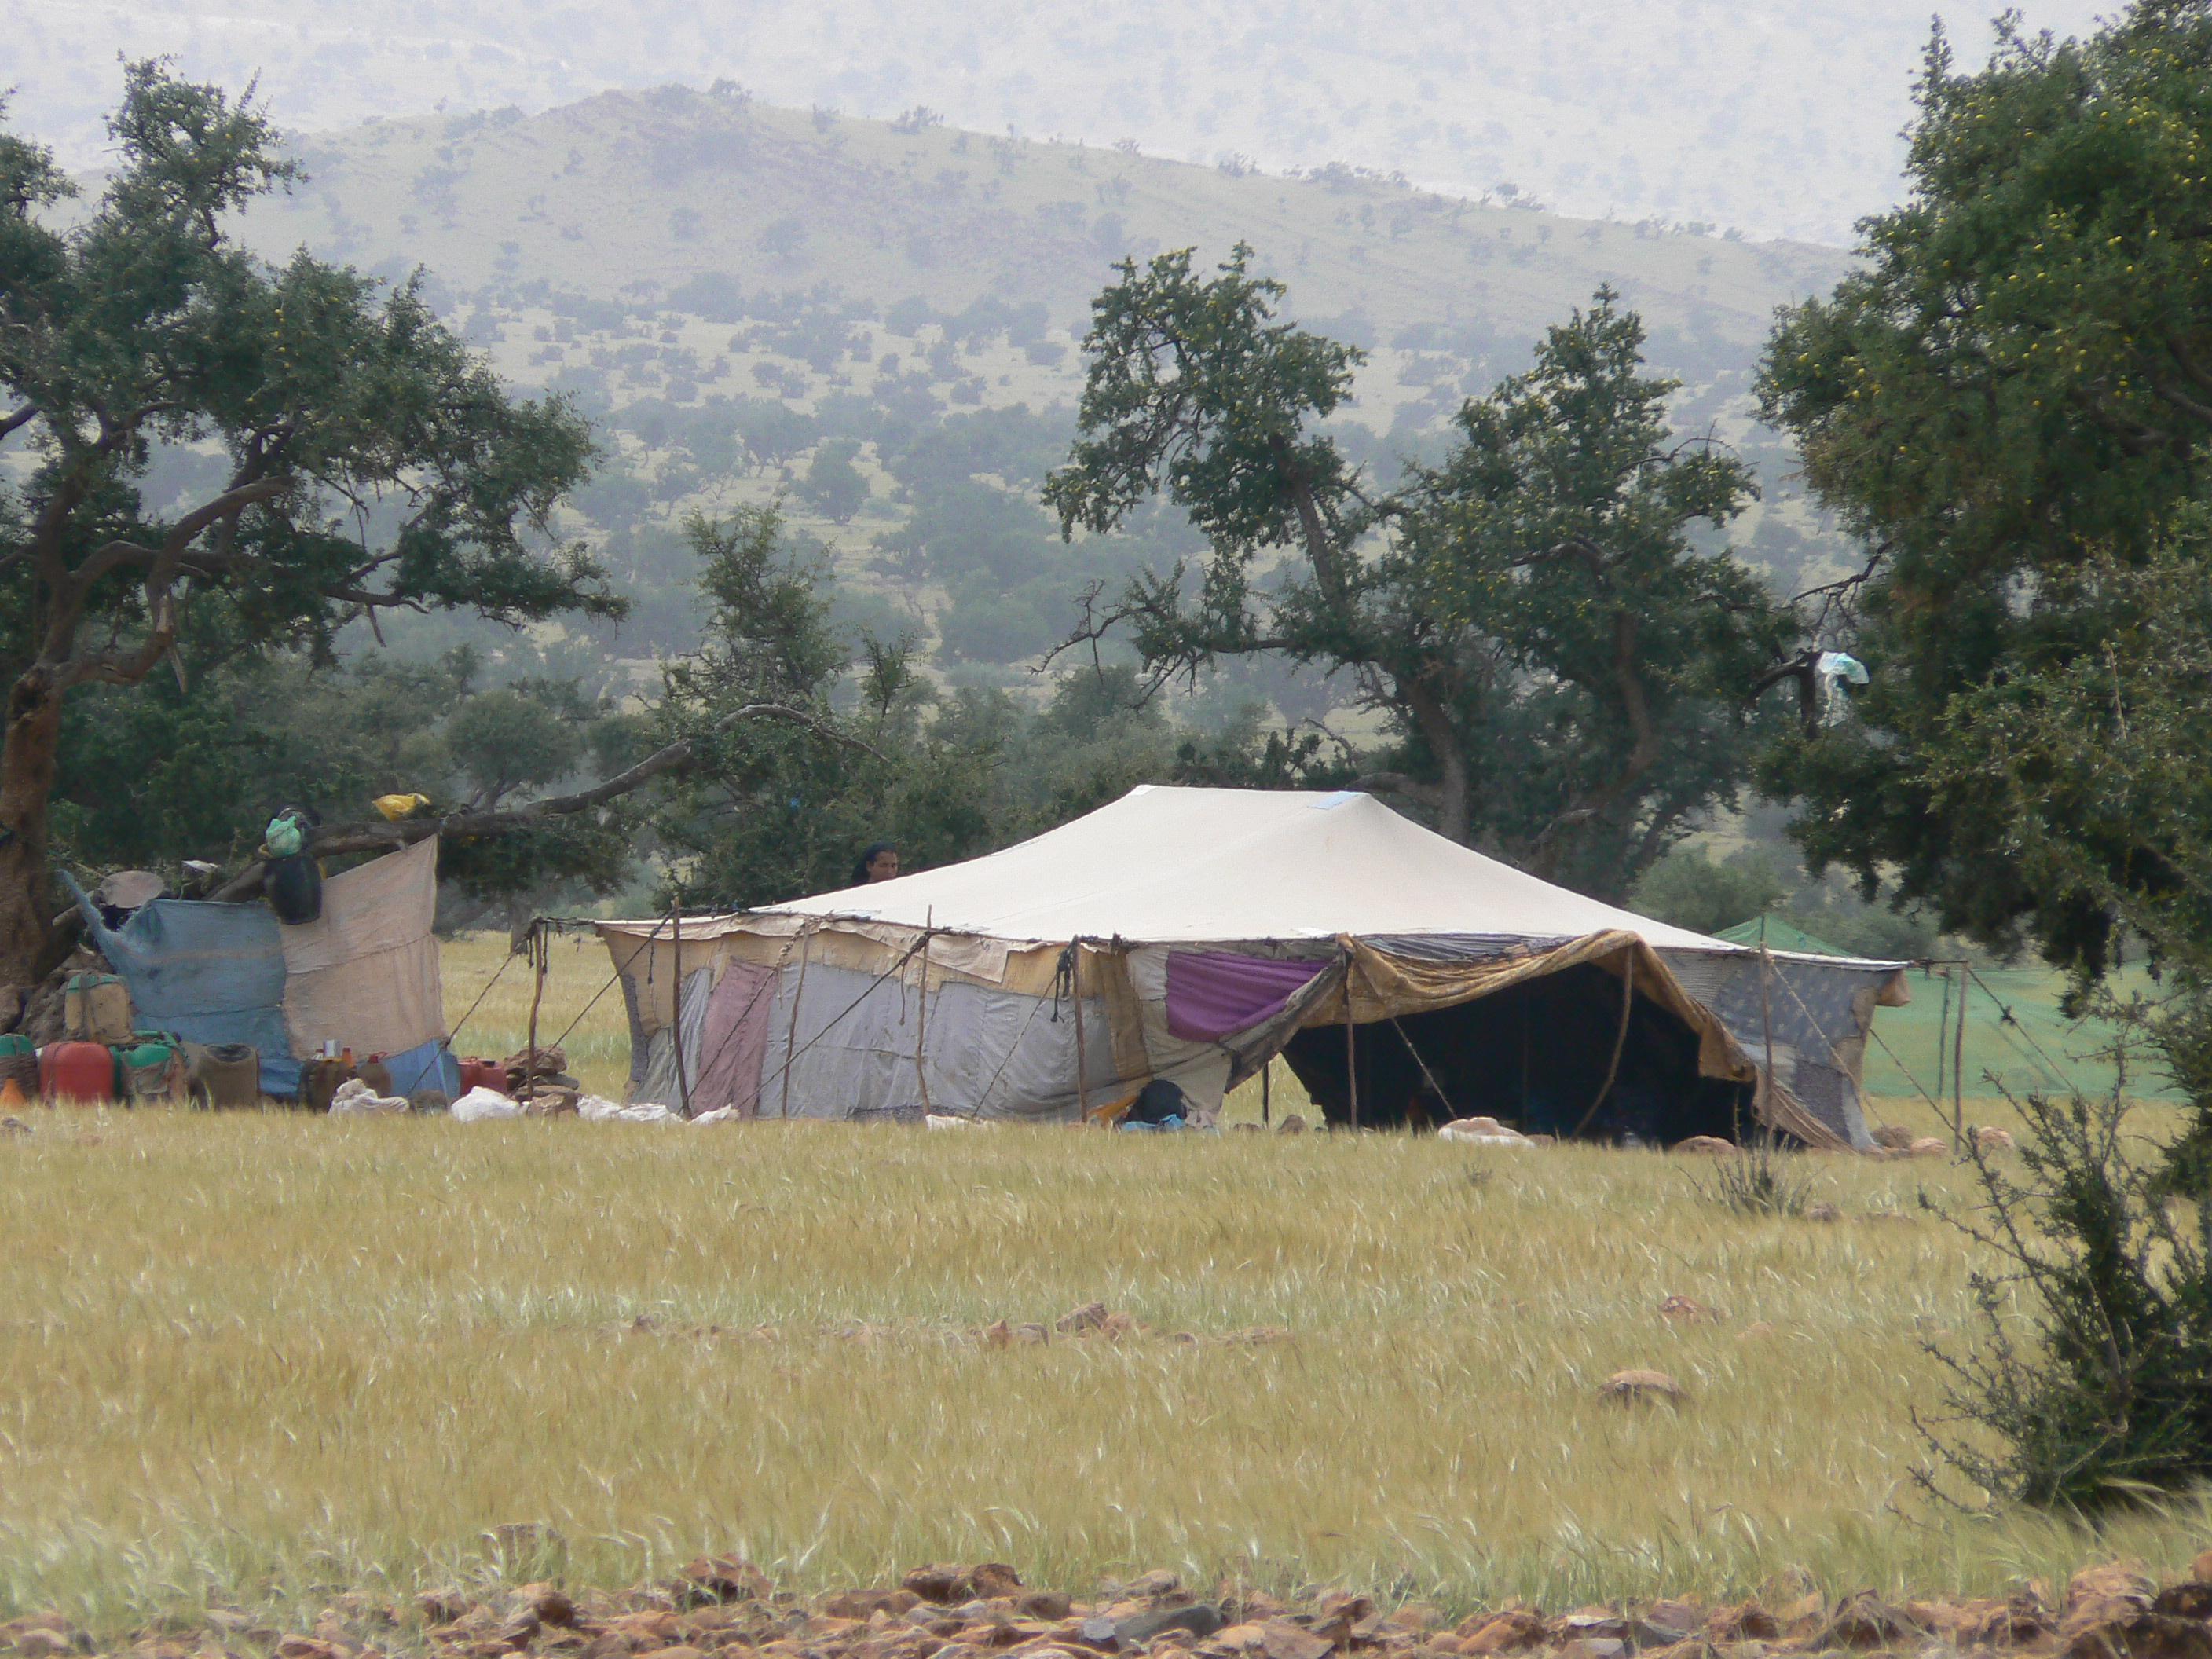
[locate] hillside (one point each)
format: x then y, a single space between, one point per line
1782 119
637 195
877 322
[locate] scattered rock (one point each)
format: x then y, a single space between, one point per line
2142 1636
1992 1140
1687 1311
996 1335
862 1604
1291 1125
2112 1590
1513 1631
1281 1639
551 1604
442 1607
2200 1568
720 1578
1758 1328
2190 1599
1929 1146
1746 1622
1895 1136
1702 1144
1200 1620
1823 1211
951 1586
1866 1621
1632 1385
1032 1333
1087 1316
1048 1604
14 1125
1157 1582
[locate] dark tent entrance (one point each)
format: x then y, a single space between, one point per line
1536 1056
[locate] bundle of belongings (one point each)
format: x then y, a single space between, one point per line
250 1000
1189 937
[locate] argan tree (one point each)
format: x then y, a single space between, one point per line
1566 679
363 460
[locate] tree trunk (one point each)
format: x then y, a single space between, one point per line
1455 811
28 758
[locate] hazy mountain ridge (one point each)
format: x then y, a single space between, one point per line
639 194
1780 119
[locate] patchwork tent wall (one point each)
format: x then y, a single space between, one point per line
1188 934
365 974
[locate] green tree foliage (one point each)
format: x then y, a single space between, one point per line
1566 676
2015 391
368 460
833 486
1689 889
154 774
2011 405
775 810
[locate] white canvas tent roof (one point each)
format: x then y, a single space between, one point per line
1177 866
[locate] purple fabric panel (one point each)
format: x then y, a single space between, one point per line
1212 994
734 1041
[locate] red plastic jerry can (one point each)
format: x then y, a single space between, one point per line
79 1072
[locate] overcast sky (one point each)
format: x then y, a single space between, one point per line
1780 118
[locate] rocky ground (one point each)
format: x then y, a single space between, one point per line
717 1606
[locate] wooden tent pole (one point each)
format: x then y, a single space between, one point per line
537 948
1959 1068
1082 1072
921 1010
675 934
1351 1061
1766 1097
1266 1078
791 1030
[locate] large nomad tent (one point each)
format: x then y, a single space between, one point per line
1193 935
364 974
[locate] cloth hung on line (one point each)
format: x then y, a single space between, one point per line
365 973
1212 994
733 1038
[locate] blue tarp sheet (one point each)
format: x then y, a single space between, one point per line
427 1066
211 973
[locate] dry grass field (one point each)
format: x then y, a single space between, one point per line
254 1358
259 1357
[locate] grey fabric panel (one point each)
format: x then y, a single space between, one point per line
988 1052
660 1082
640 1044
1808 1008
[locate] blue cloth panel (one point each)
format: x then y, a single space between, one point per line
211 973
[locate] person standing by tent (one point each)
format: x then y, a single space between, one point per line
878 862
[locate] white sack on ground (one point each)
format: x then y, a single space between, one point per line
481 1105
356 1098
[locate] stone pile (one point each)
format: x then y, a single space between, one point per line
720 1607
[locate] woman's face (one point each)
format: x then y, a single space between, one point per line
884 867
